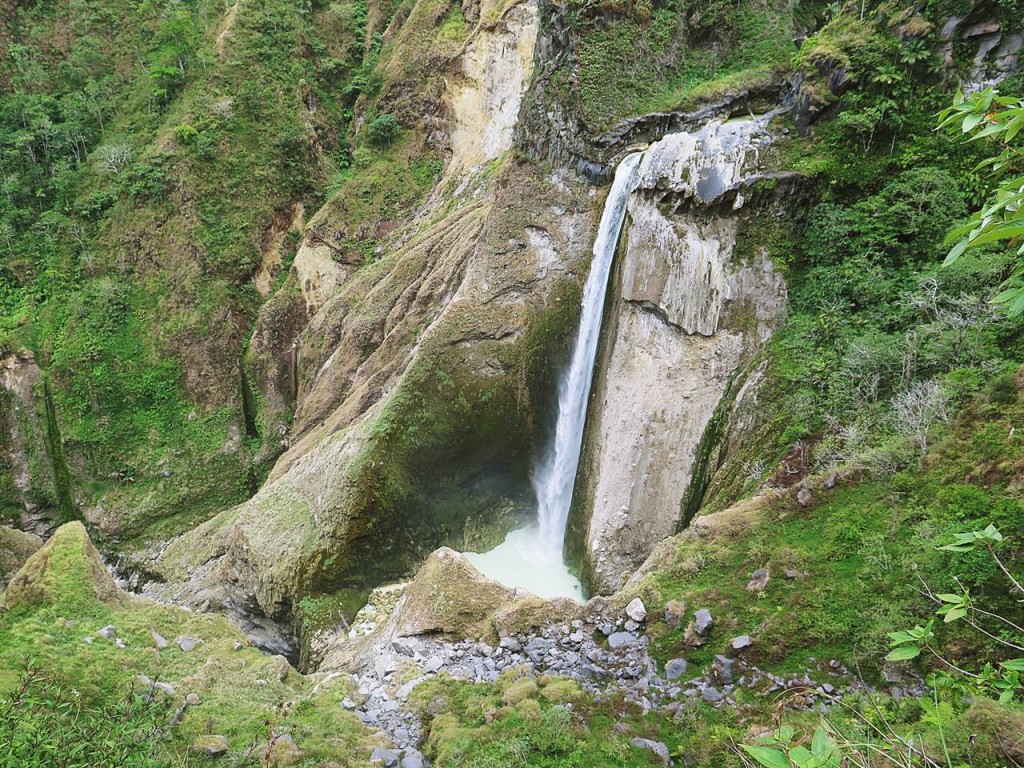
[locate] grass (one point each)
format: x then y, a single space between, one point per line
244 693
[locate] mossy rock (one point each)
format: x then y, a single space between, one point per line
15 548
67 572
449 596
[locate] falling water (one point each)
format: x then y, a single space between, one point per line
554 480
532 557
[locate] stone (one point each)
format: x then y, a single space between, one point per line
433 664
703 622
621 639
711 695
348 704
406 688
510 644
636 610
803 497
413 758
382 756
656 747
758 580
721 670
792 573
187 643
675 612
211 746
165 688
675 668
88 640
158 640
192 700
631 626
405 646
108 632
740 642
119 643
281 751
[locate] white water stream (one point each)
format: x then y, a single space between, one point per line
532 557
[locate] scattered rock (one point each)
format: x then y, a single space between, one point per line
703 621
348 704
740 642
721 670
159 640
711 695
676 668
108 632
192 700
675 612
211 746
120 643
656 747
187 643
621 639
165 688
636 610
758 580
412 758
803 497
281 751
88 639
792 573
381 756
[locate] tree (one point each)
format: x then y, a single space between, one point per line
1001 220
383 130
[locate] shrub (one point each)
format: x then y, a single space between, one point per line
382 131
45 722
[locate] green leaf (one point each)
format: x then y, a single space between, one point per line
768 757
954 613
821 744
903 653
950 598
803 757
1014 665
972 120
1006 696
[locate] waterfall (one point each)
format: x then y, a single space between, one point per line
554 479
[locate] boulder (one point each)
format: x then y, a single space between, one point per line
675 612
675 669
210 746
280 752
740 642
621 639
449 597
758 580
636 610
703 622
80 573
384 757
656 747
15 548
722 670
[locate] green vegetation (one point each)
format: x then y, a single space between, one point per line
647 56
990 116
75 691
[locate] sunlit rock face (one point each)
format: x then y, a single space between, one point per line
687 316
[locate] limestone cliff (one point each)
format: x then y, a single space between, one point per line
421 377
688 315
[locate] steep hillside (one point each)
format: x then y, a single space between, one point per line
286 294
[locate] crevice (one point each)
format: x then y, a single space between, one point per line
65 505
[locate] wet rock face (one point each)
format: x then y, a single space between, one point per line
687 316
